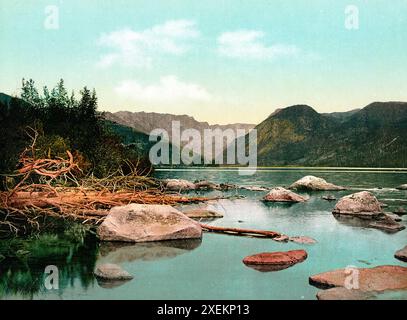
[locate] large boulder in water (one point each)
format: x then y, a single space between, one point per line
283 195
367 210
402 187
362 204
144 222
377 279
274 261
178 185
314 184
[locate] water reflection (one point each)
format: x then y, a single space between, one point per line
268 267
367 223
120 252
23 263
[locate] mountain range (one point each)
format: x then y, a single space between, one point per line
145 122
375 136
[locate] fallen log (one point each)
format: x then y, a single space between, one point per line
246 232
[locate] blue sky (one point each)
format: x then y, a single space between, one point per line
219 61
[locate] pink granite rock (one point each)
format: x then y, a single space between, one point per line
283 195
144 222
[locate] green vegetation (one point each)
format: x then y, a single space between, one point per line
64 122
23 260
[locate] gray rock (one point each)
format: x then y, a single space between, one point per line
393 216
387 225
329 198
303 240
283 195
282 238
143 222
206 185
227 186
362 204
400 211
401 254
314 184
254 188
109 271
178 185
402 187
110 276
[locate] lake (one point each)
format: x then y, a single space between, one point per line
213 268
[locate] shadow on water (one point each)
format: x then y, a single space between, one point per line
357 222
120 252
23 263
267 268
282 205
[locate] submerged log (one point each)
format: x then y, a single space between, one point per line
244 232
276 236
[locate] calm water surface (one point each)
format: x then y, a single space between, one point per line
213 268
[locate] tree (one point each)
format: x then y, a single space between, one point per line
30 94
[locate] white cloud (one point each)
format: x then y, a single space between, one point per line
248 44
168 90
139 48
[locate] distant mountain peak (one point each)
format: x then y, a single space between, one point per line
295 110
389 104
302 108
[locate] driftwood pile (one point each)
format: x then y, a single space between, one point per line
43 192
